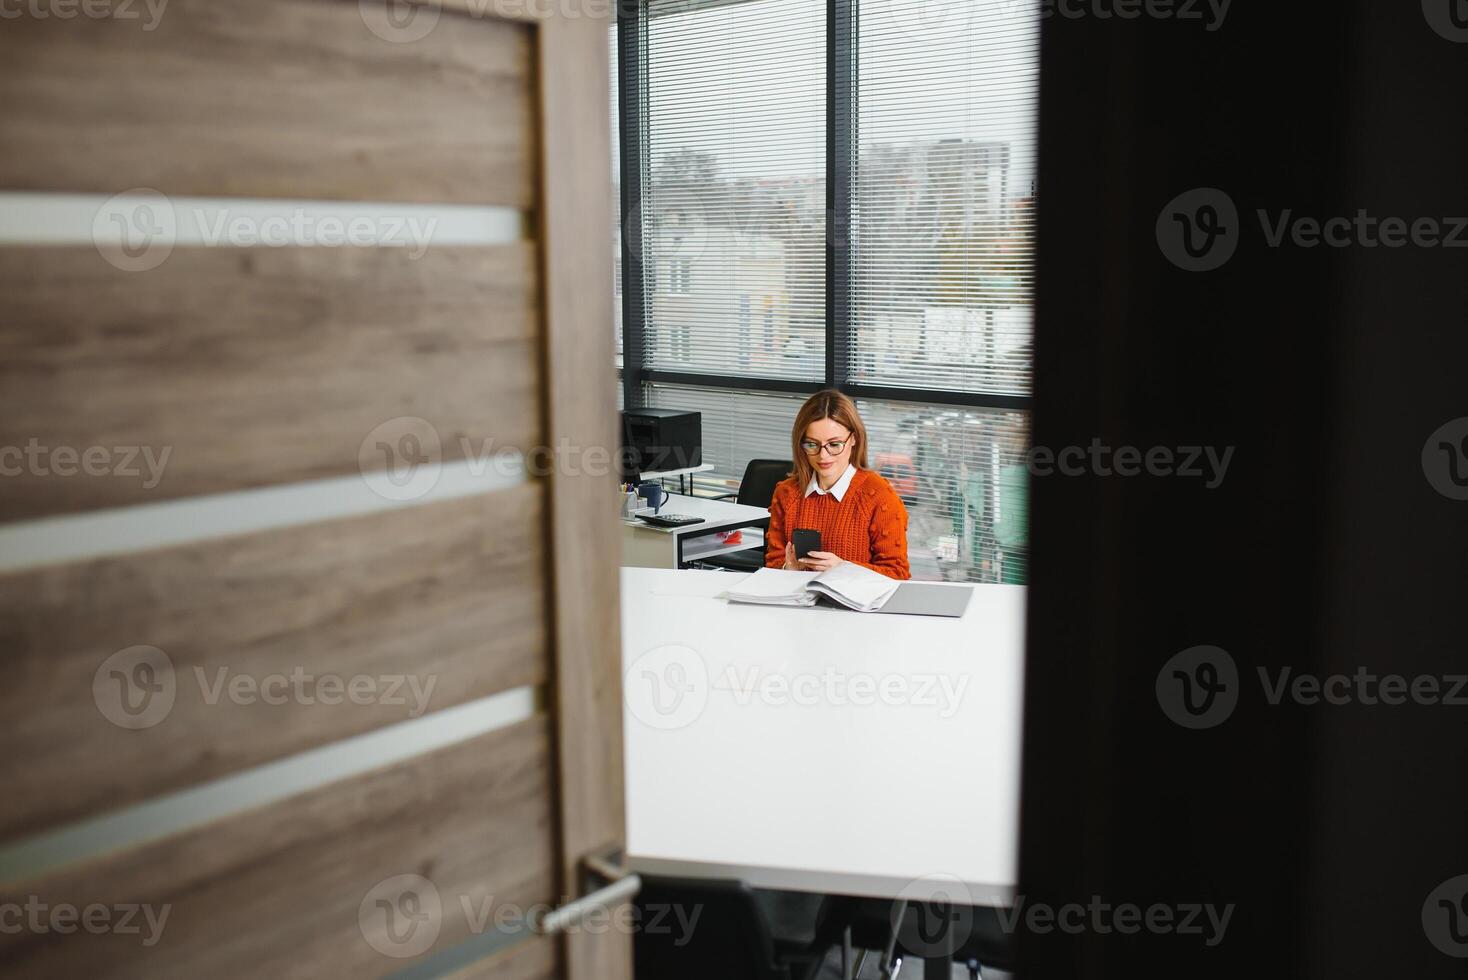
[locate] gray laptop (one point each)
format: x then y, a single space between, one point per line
928 599
922 599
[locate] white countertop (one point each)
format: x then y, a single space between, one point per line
819 749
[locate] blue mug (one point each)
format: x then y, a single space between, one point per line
654 494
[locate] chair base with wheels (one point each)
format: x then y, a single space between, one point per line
865 925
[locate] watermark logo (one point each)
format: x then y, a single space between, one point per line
135 688
135 231
1199 687
938 917
1445 459
1199 230
401 916
1445 917
400 21
1449 18
402 458
667 687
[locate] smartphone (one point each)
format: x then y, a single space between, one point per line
805 541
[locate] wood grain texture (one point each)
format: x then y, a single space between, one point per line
269 98
276 892
532 959
450 594
576 174
531 10
254 367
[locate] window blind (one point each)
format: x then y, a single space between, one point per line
943 194
962 476
733 218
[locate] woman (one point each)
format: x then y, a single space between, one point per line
860 518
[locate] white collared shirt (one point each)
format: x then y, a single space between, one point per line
838 489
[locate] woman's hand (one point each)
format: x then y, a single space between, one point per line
791 565
820 561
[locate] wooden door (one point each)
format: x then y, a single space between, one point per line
308 548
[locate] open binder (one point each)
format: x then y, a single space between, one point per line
851 587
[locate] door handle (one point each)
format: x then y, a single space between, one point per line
621 885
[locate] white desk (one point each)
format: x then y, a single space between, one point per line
652 547
813 792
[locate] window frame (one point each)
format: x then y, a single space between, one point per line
842 101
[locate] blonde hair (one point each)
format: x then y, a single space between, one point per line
833 405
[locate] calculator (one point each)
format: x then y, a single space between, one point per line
669 520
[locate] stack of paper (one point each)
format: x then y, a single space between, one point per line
855 587
775 587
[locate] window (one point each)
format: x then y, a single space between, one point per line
842 194
942 197
734 186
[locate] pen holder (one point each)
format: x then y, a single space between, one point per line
653 494
630 502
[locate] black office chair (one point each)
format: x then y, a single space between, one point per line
757 489
730 938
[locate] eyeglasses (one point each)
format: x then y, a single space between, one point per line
813 448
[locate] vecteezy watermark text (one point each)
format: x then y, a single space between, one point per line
1200 688
843 689
136 231
36 459
402 916
137 688
922 18
1127 918
38 917
1211 13
669 686
1201 229
1206 462
939 913
150 12
403 458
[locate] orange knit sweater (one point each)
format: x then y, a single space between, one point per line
868 527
